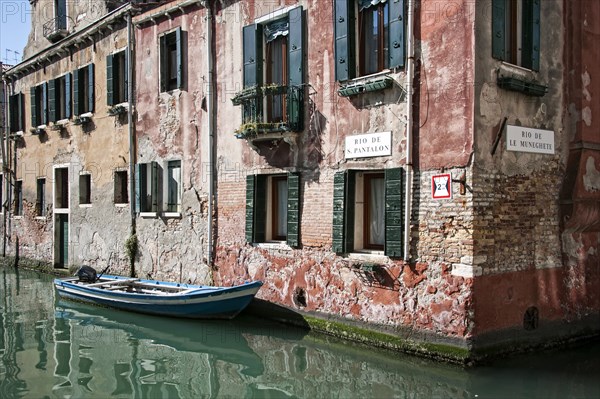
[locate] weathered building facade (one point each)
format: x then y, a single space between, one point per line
406 166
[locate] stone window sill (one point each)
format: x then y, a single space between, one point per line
175 215
148 215
85 205
278 245
125 205
368 256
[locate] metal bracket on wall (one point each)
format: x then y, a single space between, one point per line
498 136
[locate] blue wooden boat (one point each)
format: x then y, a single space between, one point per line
158 297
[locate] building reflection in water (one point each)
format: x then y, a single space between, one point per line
63 349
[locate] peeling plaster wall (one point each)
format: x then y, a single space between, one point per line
96 233
172 126
423 295
518 206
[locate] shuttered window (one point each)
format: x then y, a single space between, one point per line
16 109
59 98
83 90
369 37
171 60
121 188
39 105
367 211
116 78
279 45
516 32
273 208
148 178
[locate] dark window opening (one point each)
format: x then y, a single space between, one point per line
85 189
171 61
61 179
121 189
373 31
276 74
19 198
40 204
374 211
116 78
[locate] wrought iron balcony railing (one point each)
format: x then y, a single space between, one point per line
270 109
56 28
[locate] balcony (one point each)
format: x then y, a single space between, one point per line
268 112
56 28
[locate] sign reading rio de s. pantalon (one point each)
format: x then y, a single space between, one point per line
441 186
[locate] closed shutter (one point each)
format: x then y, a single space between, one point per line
67 98
154 184
125 55
396 36
344 40
293 210
138 188
91 94
44 103
110 82
52 101
344 187
164 78
250 188
252 55
34 115
179 46
530 56
394 208
21 111
296 46
76 110
499 29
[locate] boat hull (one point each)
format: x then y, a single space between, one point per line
195 302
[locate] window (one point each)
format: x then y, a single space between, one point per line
147 179
16 109
61 188
39 105
367 211
19 198
278 45
83 90
116 78
40 203
171 63
272 208
516 32
1 193
85 189
59 98
371 43
121 188
60 12
174 186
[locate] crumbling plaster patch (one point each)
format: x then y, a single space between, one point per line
591 179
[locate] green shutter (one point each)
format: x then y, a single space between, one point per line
250 188
154 186
34 117
76 110
12 118
125 54
344 188
499 29
44 103
530 55
67 96
90 83
256 187
260 209
396 37
21 111
296 46
178 45
138 188
293 210
52 101
164 78
394 208
252 56
295 107
110 81
344 40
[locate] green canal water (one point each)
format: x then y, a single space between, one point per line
51 348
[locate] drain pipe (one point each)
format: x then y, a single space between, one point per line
211 131
3 134
409 125
132 147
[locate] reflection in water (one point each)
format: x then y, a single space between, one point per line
51 348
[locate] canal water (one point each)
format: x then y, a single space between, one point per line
50 348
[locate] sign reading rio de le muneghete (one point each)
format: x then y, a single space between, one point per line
526 139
